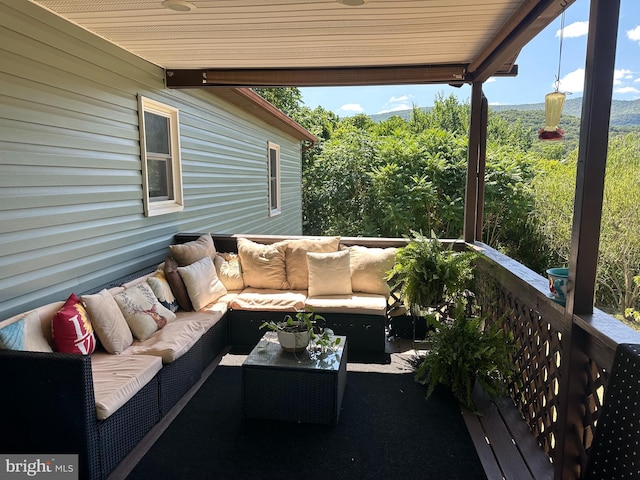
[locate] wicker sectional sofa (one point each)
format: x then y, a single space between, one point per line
100 405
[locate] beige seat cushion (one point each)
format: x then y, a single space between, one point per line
269 300
117 378
358 303
263 266
177 337
296 258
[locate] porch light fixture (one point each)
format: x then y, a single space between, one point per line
178 5
352 3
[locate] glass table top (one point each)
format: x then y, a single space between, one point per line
269 353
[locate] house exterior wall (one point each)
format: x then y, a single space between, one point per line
71 210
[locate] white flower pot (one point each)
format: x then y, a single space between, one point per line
294 341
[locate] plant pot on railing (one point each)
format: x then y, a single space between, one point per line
558 281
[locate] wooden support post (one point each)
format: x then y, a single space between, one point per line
471 191
585 236
482 162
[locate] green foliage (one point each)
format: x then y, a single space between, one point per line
465 349
287 99
427 273
619 256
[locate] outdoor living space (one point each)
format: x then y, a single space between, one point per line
130 129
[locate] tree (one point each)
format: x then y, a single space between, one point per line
618 285
287 99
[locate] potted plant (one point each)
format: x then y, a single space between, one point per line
429 275
465 349
295 332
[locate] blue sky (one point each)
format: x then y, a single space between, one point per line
538 68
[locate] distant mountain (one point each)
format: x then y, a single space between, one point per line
623 112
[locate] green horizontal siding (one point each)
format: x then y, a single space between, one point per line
70 175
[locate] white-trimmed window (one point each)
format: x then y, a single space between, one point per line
273 166
160 151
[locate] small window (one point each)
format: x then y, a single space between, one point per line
273 162
160 151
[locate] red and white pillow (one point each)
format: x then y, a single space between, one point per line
72 331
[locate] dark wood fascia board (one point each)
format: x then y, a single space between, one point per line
315 77
530 19
251 102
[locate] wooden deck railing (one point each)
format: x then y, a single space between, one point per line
564 362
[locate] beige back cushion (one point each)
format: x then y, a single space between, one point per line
329 273
108 321
263 266
190 252
369 267
296 258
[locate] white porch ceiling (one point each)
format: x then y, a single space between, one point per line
268 34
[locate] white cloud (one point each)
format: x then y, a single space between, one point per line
634 34
627 90
495 103
620 75
396 108
352 107
637 80
491 80
402 98
575 30
572 82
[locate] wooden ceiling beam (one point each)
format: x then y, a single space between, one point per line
315 77
529 20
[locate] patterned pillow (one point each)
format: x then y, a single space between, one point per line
142 311
23 332
162 290
71 329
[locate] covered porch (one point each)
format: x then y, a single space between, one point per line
566 354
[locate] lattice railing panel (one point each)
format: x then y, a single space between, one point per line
537 388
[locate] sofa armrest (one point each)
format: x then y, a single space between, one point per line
48 406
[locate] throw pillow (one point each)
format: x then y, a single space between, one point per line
24 332
142 311
187 253
202 283
71 329
177 284
108 321
329 273
369 268
162 290
263 266
296 258
229 270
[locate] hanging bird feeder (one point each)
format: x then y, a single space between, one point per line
553 103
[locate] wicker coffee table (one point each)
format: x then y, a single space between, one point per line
301 387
